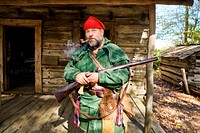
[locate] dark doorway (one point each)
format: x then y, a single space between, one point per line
19 61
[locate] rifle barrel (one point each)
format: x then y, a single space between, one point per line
131 64
64 91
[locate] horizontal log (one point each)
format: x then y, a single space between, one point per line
193 83
197 54
107 2
175 77
195 89
54 81
165 78
19 22
56 34
130 29
59 53
49 89
130 44
138 83
174 63
55 46
174 70
194 79
138 19
52 74
195 70
49 60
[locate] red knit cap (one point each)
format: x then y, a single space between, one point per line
93 22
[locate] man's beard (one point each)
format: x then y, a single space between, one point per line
94 43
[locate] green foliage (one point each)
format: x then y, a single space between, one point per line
156 64
172 24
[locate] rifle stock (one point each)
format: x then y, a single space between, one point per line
62 92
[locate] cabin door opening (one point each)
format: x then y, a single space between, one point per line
19 47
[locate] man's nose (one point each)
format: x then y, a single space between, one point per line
90 33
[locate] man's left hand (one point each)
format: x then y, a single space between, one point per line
92 77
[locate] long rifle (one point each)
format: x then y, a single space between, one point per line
62 92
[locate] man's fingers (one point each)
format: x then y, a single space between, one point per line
81 78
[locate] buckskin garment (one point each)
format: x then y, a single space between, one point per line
109 55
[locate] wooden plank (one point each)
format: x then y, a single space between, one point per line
55 46
15 118
55 117
5 98
52 73
43 114
185 80
170 62
196 70
165 78
107 2
14 107
176 78
76 31
38 60
54 81
44 118
149 68
1 58
175 70
130 29
49 60
139 110
21 22
32 121
49 52
22 121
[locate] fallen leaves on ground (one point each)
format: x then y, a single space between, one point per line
176 111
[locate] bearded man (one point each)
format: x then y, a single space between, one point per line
81 69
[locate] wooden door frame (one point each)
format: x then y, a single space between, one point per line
37 25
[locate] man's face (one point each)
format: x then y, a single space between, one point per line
94 36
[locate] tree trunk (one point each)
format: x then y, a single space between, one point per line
186 24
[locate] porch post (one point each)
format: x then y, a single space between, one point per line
149 70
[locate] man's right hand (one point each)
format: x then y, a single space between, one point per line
82 79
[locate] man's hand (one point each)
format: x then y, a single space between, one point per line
92 77
87 77
81 78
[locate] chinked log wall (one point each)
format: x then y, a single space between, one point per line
171 70
126 24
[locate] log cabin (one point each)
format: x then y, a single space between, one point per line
181 66
34 33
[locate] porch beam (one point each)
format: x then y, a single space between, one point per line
103 2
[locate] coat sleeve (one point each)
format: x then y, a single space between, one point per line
70 72
116 78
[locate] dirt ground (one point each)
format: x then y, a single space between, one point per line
176 111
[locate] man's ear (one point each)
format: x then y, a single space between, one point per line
102 31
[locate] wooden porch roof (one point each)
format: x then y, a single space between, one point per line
107 2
